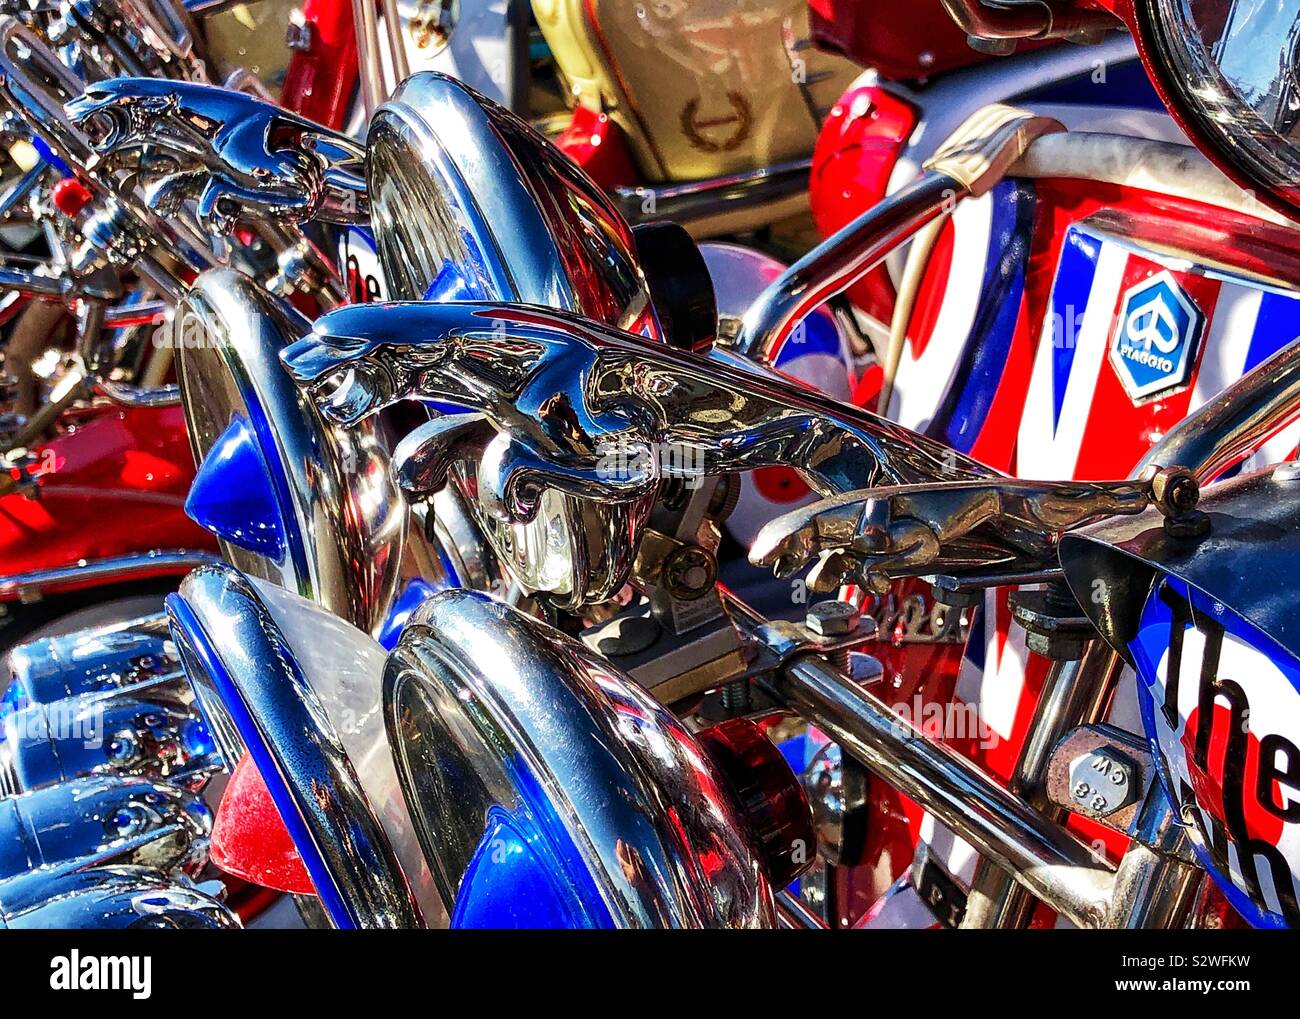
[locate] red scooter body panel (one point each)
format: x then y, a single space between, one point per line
113 485
922 43
857 150
319 81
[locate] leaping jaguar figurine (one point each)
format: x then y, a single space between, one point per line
877 536
590 410
227 150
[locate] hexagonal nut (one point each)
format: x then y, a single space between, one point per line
1102 781
832 618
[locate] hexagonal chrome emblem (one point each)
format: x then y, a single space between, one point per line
1154 347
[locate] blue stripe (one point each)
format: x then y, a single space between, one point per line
1071 291
1123 84
984 360
1277 326
816 333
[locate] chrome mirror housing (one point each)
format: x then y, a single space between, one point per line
465 195
294 498
549 790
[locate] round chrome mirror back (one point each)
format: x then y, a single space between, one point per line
549 790
342 520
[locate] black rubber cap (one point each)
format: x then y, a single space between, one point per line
679 285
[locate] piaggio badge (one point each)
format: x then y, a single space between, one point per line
1154 348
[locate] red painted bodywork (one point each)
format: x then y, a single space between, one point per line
596 144
250 841
857 150
874 33
319 81
113 484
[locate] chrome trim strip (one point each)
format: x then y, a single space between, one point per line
714 197
111 568
840 261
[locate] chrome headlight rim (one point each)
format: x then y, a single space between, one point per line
1208 109
335 496
256 698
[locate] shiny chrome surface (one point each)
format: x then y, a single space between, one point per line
154 825
113 656
456 178
249 652
1075 692
1042 19
526 711
1225 430
468 200
108 570
585 410
1229 70
230 152
840 261
150 730
1049 861
347 517
878 536
110 898
34 87
969 163
152 38
703 206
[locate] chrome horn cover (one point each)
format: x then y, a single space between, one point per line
345 519
468 202
496 718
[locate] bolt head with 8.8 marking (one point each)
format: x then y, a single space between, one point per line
1102 782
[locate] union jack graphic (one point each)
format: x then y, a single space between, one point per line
1032 387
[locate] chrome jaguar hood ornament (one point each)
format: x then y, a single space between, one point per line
229 151
581 423
597 412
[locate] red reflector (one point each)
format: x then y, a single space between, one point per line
770 796
250 841
70 196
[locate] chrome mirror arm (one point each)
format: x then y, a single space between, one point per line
971 162
596 412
